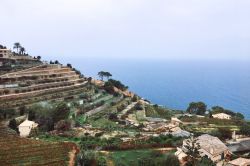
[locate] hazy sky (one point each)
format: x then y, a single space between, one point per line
154 29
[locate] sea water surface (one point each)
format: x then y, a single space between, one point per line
175 84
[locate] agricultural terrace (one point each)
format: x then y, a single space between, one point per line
17 151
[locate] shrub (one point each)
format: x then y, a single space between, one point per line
63 125
61 112
245 129
135 98
139 106
17 91
101 161
225 133
6 91
13 125
171 160
22 110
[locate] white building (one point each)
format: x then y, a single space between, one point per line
26 127
5 53
221 116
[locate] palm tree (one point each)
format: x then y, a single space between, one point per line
22 50
17 46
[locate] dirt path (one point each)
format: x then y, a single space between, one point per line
72 157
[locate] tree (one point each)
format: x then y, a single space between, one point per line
198 108
218 109
117 84
13 125
245 129
192 146
69 65
63 125
61 112
239 116
31 115
101 74
16 46
22 110
135 98
22 50
42 114
89 79
56 62
210 115
107 75
225 133
39 58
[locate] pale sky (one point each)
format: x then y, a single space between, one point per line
150 29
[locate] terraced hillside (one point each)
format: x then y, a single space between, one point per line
43 82
17 63
17 151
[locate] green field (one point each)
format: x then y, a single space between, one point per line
135 157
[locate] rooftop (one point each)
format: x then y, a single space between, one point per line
27 123
212 145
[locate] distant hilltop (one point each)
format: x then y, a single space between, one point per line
14 60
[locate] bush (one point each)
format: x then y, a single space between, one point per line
135 98
245 129
139 106
13 125
6 91
17 91
222 133
225 133
171 160
101 161
114 83
63 125
22 110
61 112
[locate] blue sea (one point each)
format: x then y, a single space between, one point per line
175 84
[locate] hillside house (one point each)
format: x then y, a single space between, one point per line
210 147
26 127
221 116
5 53
239 162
